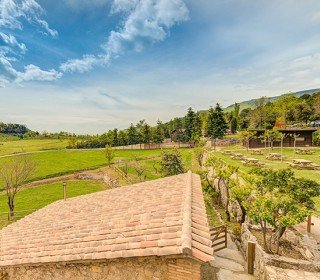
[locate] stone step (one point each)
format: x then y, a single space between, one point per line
231 255
225 274
221 262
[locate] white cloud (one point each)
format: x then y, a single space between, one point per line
85 64
32 73
11 41
146 22
45 25
12 12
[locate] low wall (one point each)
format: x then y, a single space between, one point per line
144 268
153 146
262 259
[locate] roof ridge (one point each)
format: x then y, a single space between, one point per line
186 233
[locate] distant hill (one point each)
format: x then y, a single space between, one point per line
251 103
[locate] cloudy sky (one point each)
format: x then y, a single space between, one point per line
86 66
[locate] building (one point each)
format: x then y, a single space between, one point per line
303 138
152 230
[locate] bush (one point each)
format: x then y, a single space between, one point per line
171 163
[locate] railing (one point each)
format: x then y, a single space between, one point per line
123 175
219 237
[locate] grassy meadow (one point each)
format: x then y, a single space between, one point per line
287 152
9 146
60 162
31 199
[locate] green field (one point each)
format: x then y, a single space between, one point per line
153 165
287 152
18 146
31 199
61 162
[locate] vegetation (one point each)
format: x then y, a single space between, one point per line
279 200
216 126
270 198
171 163
14 173
109 153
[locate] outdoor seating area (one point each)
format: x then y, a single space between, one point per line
275 156
256 152
304 151
252 162
304 164
228 152
238 156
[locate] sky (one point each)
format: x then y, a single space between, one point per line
86 66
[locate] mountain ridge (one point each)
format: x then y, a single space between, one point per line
251 103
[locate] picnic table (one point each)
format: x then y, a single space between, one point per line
274 156
304 151
256 152
238 156
252 162
304 164
228 152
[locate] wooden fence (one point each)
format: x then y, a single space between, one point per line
219 237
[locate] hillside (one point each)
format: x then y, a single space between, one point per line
251 103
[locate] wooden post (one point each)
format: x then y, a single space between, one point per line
251 256
309 224
64 184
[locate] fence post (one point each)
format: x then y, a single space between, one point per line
251 256
309 224
64 184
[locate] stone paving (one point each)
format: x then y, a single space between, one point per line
230 264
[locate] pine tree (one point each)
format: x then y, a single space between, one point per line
189 123
216 124
132 135
146 133
158 134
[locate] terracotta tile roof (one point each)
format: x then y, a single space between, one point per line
161 217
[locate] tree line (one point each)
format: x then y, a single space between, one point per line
188 129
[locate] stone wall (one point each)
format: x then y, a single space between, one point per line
263 260
146 268
233 206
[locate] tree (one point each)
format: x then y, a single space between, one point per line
216 124
158 134
246 136
122 138
110 154
171 163
274 135
234 117
279 200
140 170
244 118
133 137
189 124
14 173
146 133
196 130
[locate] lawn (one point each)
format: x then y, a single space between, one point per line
287 152
33 145
60 162
31 199
152 166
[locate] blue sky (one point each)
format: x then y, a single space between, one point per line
87 66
